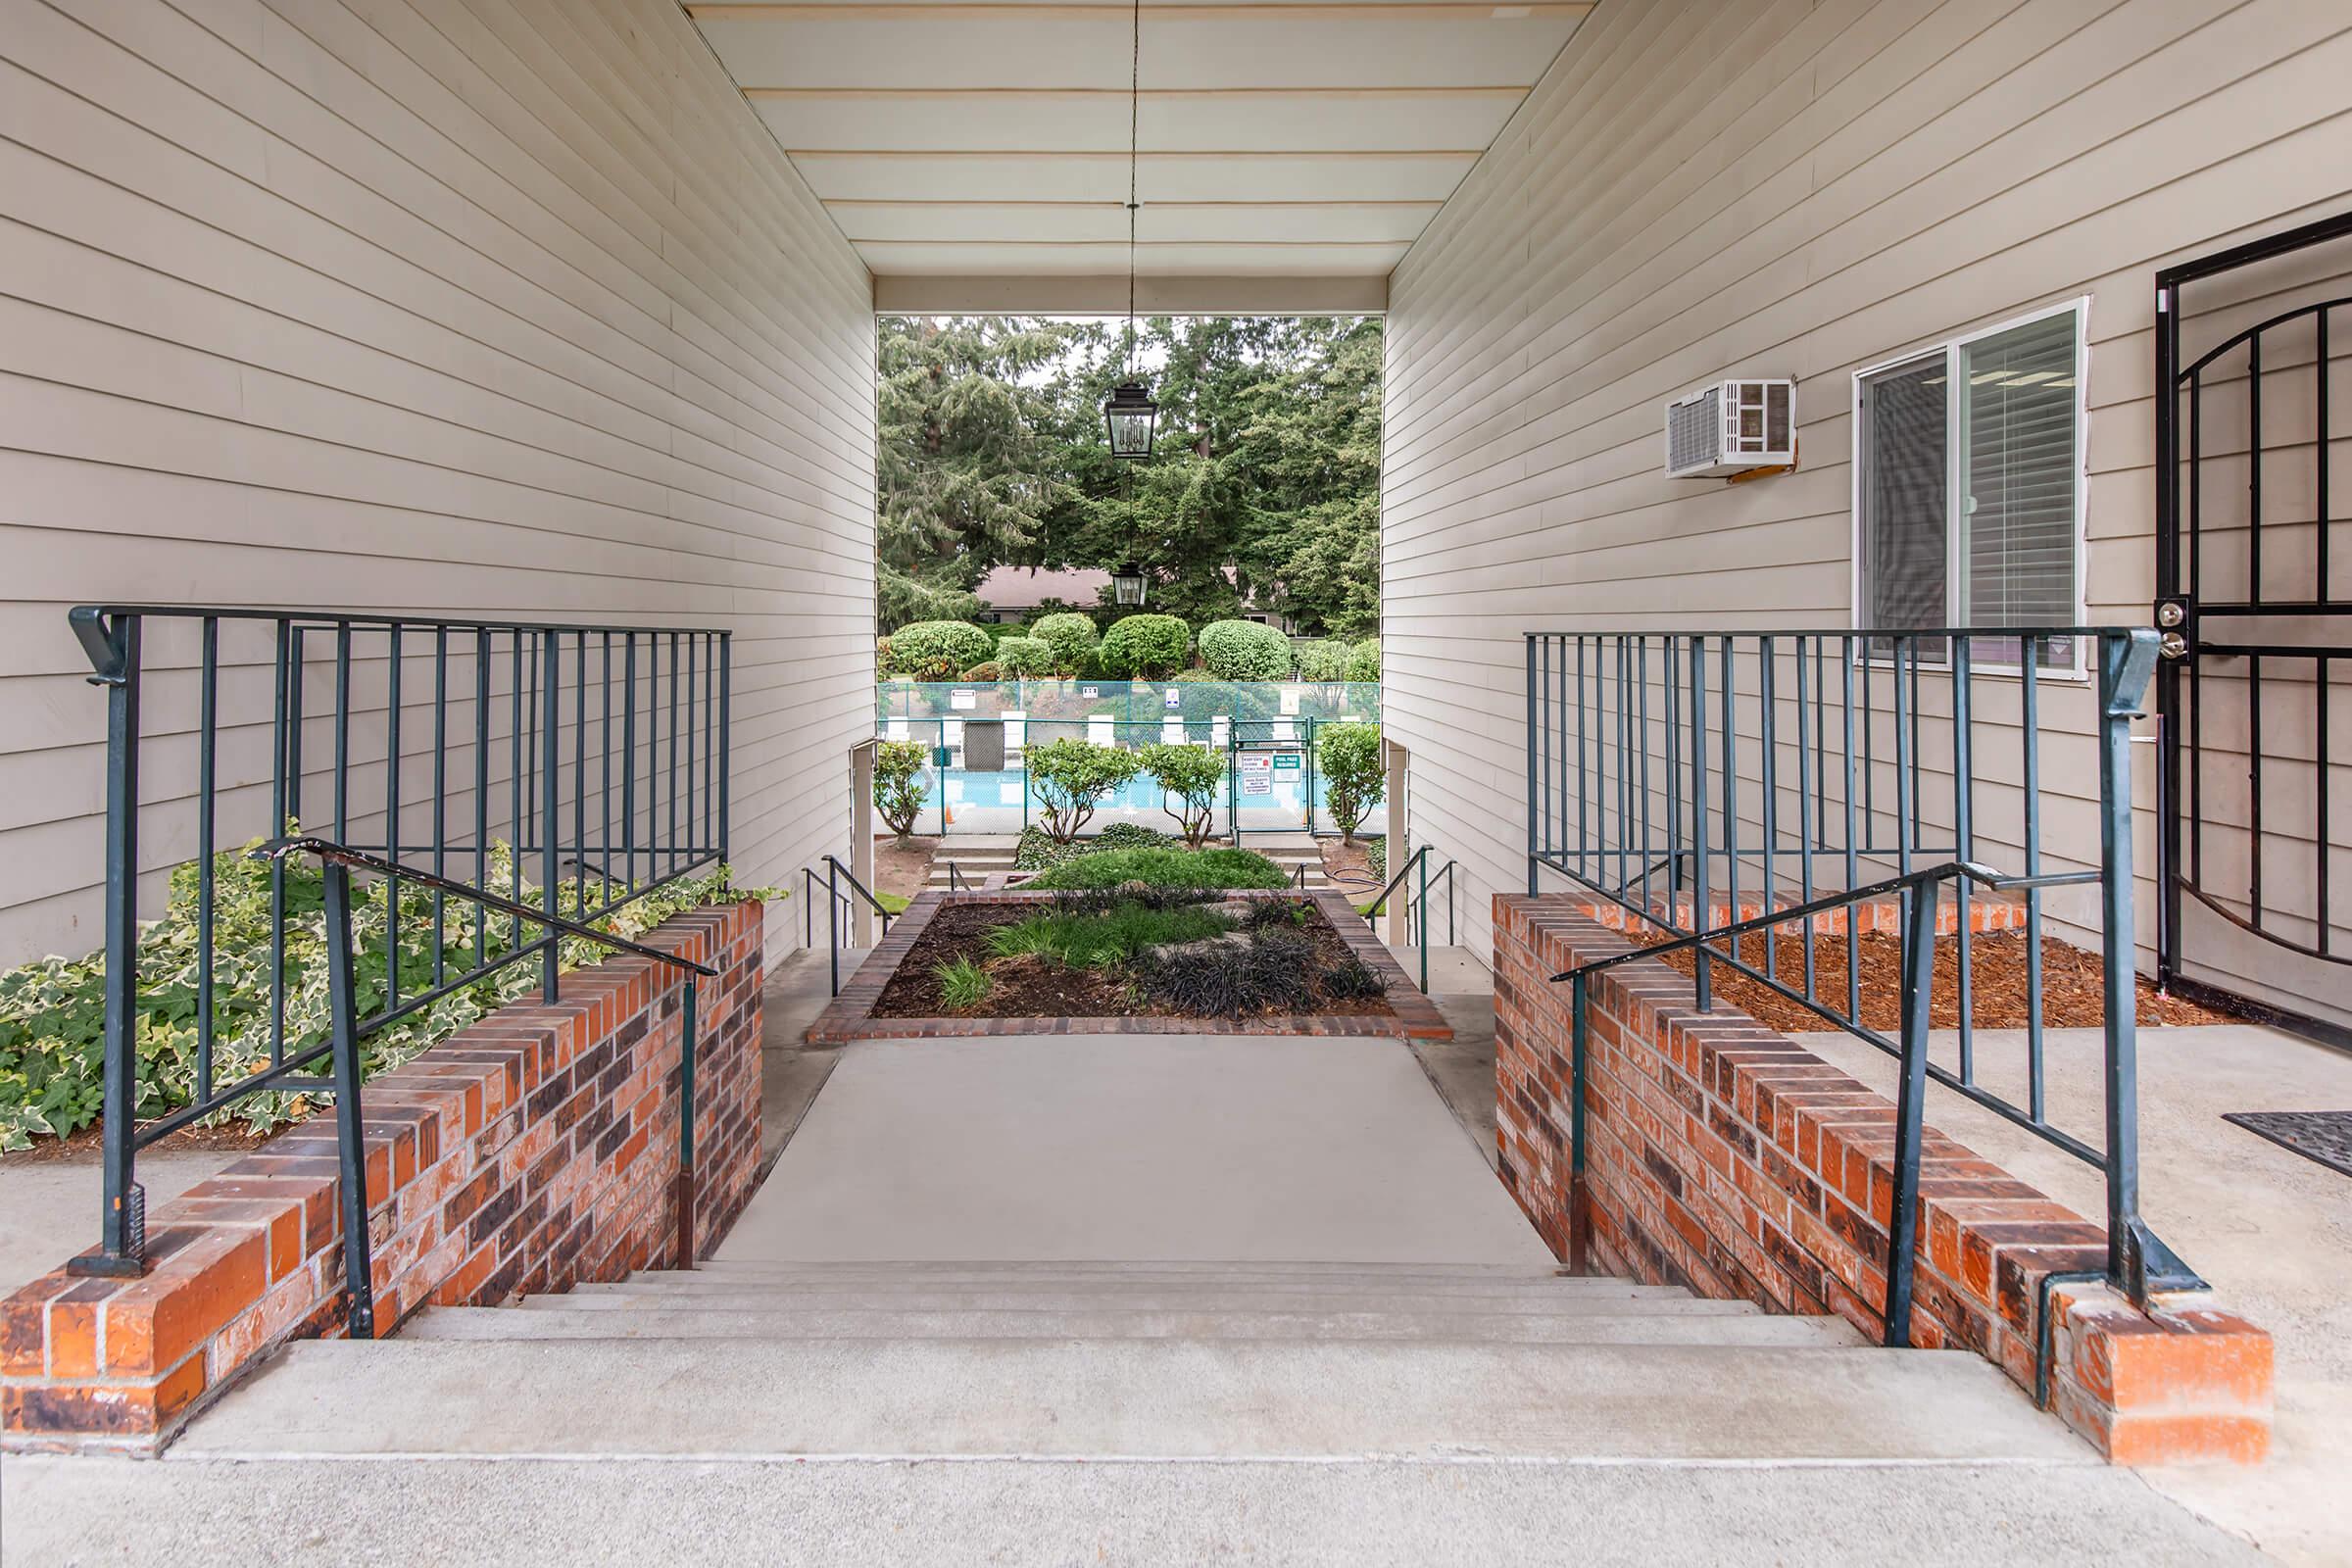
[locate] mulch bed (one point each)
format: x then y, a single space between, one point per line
2073 989
91 1142
1349 868
1039 987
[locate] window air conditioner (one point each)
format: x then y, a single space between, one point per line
1731 427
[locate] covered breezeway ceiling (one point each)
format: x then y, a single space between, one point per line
975 151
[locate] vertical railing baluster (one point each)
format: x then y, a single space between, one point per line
1580 1197
1902 1217
1769 732
208 744
1964 817
669 842
440 801
117 654
1699 852
603 794
351 1131
1849 649
1809 805
514 803
551 807
481 793
1649 843
342 795
392 704
1535 750
2030 705
726 746
579 777
1731 795
628 752
284 772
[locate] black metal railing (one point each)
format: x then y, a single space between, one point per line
348 1029
505 778
1418 904
840 885
1722 787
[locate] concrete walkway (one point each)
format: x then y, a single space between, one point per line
1141 1148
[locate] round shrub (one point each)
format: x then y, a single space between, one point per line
1348 756
1322 659
1071 638
1146 647
1245 649
938 650
1164 868
1025 657
1364 664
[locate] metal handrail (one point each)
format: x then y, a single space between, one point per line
836 874
1602 822
1417 902
348 1029
540 740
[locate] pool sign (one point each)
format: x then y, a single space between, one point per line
1257 773
963 701
1173 698
1289 762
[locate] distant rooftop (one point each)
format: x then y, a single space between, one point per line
1027 587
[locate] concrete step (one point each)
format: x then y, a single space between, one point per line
1207 1299
1347 1277
553 1319
1121 1398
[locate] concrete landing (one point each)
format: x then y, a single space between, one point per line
1126 1400
1347 1514
1131 1148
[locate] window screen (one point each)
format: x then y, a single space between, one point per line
1906 492
1979 440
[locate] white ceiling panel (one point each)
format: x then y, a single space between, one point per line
987 140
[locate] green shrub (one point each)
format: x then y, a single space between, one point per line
1098 941
1274 972
1245 649
1348 756
1038 851
1146 647
1193 775
1322 659
1166 868
898 788
938 650
1071 638
962 985
53 1011
1070 778
1027 657
1364 664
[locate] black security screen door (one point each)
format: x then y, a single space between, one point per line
2253 562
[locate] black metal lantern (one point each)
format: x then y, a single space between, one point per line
1127 585
1129 415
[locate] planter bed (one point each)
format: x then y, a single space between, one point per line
895 992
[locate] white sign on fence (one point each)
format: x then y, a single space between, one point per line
1257 773
963 701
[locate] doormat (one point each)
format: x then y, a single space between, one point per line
2324 1135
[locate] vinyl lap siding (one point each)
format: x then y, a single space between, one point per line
1707 188
483 308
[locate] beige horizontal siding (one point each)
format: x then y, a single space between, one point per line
480 308
1708 188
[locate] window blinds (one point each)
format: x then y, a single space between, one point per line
2019 425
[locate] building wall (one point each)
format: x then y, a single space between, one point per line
480 308
1707 188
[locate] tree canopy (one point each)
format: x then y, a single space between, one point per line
1264 481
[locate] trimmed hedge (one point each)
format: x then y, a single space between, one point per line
1146 647
1037 849
1364 664
1322 659
1165 868
1245 649
1025 657
1070 637
938 650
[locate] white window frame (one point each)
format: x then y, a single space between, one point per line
1955 509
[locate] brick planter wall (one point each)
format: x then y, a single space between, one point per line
532 1152
850 1015
1723 1158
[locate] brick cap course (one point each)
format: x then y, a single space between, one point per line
531 1150
850 1015
1724 1158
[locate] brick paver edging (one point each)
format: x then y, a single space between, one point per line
1721 1157
850 1015
531 1152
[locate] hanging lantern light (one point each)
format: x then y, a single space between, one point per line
1130 413
1130 416
1127 585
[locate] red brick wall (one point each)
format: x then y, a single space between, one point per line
1721 1157
532 1152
